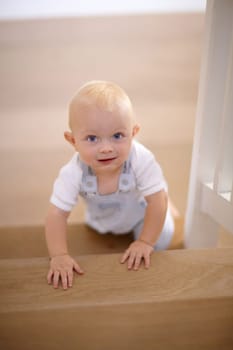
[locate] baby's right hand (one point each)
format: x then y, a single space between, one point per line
61 268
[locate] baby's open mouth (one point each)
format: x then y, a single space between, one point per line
106 160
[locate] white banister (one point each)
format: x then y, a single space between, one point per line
210 201
224 165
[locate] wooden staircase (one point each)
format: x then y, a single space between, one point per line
29 241
184 301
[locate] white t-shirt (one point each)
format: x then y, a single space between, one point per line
118 212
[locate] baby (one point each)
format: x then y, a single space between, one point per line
118 177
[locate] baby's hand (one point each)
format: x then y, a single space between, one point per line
136 252
61 267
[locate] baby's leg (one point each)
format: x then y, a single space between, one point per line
165 237
174 211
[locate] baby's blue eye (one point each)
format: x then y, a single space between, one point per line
91 138
118 136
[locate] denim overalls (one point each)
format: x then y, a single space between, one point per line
119 212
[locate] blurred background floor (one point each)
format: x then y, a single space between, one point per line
155 58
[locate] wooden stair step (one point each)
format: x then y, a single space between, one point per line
185 300
27 242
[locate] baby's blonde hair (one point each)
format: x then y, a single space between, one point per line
104 95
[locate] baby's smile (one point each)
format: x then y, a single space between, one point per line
107 160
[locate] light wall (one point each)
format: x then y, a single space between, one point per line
19 9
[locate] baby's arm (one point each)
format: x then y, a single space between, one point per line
61 263
154 219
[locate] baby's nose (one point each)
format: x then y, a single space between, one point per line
106 147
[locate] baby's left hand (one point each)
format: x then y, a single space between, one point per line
137 251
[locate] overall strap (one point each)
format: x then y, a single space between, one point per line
127 180
89 181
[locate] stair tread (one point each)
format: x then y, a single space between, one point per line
29 241
176 275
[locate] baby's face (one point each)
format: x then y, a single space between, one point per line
102 138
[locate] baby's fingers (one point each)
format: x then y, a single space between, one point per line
70 275
53 278
137 261
125 256
78 269
50 276
56 277
131 260
147 261
64 277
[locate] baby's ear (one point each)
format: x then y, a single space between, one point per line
69 137
136 129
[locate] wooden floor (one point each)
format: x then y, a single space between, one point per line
155 58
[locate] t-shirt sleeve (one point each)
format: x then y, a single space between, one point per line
66 186
148 173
